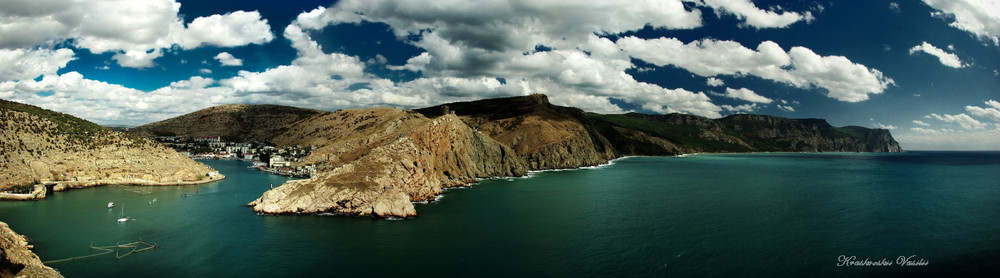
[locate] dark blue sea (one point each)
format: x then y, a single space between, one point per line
759 215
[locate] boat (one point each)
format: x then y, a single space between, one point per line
123 218
111 204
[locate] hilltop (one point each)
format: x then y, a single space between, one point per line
46 147
233 122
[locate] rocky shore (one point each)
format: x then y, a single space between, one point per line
16 258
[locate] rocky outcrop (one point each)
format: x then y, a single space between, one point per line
233 122
17 260
413 166
42 147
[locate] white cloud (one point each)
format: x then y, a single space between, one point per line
22 64
947 59
991 111
755 17
715 82
919 122
894 7
979 17
786 108
227 59
746 94
883 126
137 32
205 71
918 138
750 107
962 120
801 67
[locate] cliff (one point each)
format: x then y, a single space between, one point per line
551 137
16 260
370 173
44 147
233 122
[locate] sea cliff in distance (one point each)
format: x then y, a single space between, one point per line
378 161
42 147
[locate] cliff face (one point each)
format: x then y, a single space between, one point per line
45 147
414 165
16 260
548 136
233 122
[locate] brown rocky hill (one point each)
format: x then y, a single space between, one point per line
45 147
378 161
233 122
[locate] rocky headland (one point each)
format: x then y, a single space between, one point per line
16 258
378 161
43 148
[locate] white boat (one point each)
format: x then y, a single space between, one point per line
123 219
111 204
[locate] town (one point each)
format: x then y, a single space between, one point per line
265 157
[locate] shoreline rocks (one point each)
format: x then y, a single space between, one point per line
16 258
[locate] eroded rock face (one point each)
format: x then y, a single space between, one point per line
436 154
74 153
16 260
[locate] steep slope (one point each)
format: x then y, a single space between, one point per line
46 147
16 260
404 157
549 136
233 122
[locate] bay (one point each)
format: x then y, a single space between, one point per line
778 215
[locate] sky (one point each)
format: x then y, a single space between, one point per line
929 71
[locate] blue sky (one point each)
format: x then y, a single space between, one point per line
927 70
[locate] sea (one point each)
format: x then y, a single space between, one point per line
908 214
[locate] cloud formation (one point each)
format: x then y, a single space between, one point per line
990 112
755 17
978 17
227 59
746 94
840 78
26 64
136 31
947 59
962 120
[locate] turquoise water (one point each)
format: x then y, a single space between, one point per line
785 215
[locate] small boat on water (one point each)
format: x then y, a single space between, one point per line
111 204
123 218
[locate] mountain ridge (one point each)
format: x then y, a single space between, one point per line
377 161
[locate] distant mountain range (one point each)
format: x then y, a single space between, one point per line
377 161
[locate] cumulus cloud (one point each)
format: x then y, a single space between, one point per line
227 59
840 78
962 120
746 94
786 108
135 31
25 64
978 17
919 122
947 59
884 126
991 111
715 82
750 107
754 16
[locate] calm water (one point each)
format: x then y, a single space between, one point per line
708 215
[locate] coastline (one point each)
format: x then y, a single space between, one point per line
40 190
17 258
